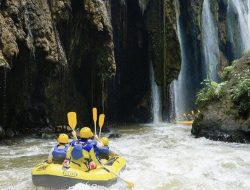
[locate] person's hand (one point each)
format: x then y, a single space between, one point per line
49 161
92 166
66 163
74 134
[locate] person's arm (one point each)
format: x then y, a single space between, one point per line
66 162
50 157
93 157
68 154
74 135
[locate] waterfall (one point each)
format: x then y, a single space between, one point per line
122 2
155 98
143 5
210 43
238 26
179 86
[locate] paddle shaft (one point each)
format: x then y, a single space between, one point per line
128 183
95 127
100 132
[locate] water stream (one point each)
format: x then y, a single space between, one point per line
238 26
159 157
211 51
155 98
179 86
143 5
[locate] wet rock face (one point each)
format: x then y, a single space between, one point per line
225 118
161 25
145 33
60 54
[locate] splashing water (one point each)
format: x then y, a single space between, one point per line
210 42
158 158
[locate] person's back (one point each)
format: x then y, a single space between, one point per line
104 152
81 153
58 153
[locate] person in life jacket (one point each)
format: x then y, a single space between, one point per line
87 136
81 153
58 153
104 151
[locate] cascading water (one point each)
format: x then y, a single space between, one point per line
143 5
210 43
155 98
238 26
179 87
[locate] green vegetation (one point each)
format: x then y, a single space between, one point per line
240 94
239 90
211 90
227 72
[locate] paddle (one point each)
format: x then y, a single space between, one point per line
94 112
101 122
72 121
130 184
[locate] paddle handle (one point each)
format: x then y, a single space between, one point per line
100 132
95 127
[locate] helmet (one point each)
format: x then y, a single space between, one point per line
105 141
63 138
86 133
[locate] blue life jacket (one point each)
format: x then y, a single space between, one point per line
104 150
74 142
103 153
78 147
59 154
77 151
94 144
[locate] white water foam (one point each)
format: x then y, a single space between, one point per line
158 158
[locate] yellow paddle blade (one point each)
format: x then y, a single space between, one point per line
130 184
101 120
94 112
72 121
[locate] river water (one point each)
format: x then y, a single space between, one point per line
159 157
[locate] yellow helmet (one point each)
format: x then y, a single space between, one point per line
63 138
86 133
105 141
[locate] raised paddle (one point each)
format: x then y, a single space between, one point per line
101 122
72 121
129 183
94 113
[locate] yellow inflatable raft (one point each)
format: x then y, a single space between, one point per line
56 176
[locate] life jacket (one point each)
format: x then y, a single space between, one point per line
59 154
103 153
77 152
94 144
79 149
